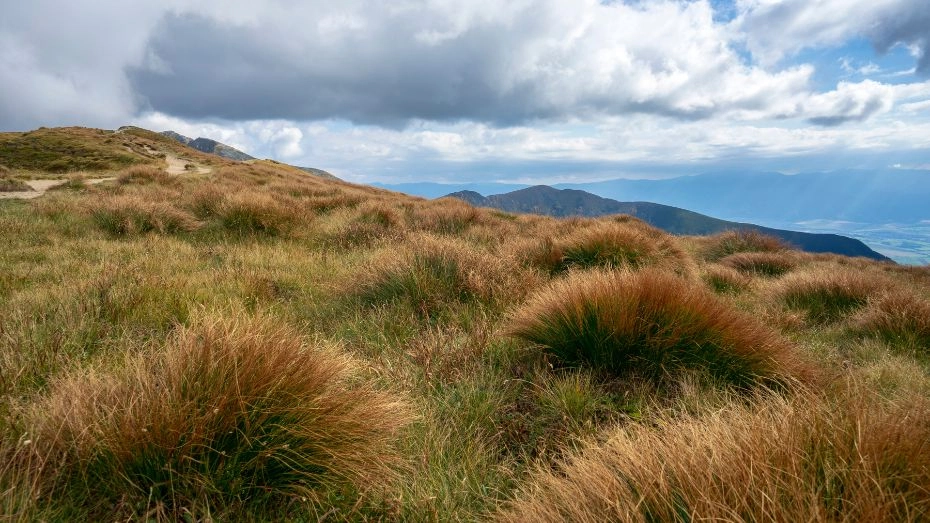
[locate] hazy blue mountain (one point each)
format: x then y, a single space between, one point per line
209 146
542 199
435 190
890 196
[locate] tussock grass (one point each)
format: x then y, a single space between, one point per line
723 279
431 271
231 413
127 215
615 245
761 263
256 212
731 242
798 459
828 295
654 324
144 174
898 317
10 184
449 216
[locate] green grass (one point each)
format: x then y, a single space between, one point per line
150 301
64 150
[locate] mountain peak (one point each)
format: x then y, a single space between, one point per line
209 146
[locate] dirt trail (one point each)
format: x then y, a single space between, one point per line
176 165
39 187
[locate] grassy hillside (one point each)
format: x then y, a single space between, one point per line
255 343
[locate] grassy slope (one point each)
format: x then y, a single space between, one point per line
102 281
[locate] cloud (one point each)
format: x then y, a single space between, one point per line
774 29
850 102
501 63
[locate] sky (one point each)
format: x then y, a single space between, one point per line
528 91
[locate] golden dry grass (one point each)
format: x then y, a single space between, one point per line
899 317
803 458
127 215
732 242
117 344
654 324
613 244
761 263
829 294
232 411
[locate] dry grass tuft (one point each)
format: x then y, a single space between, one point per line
430 272
449 216
614 245
761 263
800 459
724 279
10 184
900 318
652 323
144 174
127 215
257 212
731 242
232 412
828 296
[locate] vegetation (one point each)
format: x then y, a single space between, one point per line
257 343
804 458
653 324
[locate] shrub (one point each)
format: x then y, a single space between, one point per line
256 212
232 412
747 240
615 245
802 459
652 323
129 215
760 263
828 296
899 318
144 174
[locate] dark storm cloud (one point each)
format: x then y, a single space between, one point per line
539 60
212 70
910 26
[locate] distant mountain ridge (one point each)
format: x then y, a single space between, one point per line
880 196
542 199
209 146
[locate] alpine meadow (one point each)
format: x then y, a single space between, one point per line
189 337
477 261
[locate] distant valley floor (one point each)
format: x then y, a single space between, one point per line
904 243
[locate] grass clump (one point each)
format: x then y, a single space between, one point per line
799 459
8 184
128 215
233 413
652 323
829 296
723 279
144 174
432 272
613 245
768 264
255 212
900 318
747 240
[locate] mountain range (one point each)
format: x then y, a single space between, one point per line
542 199
206 145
